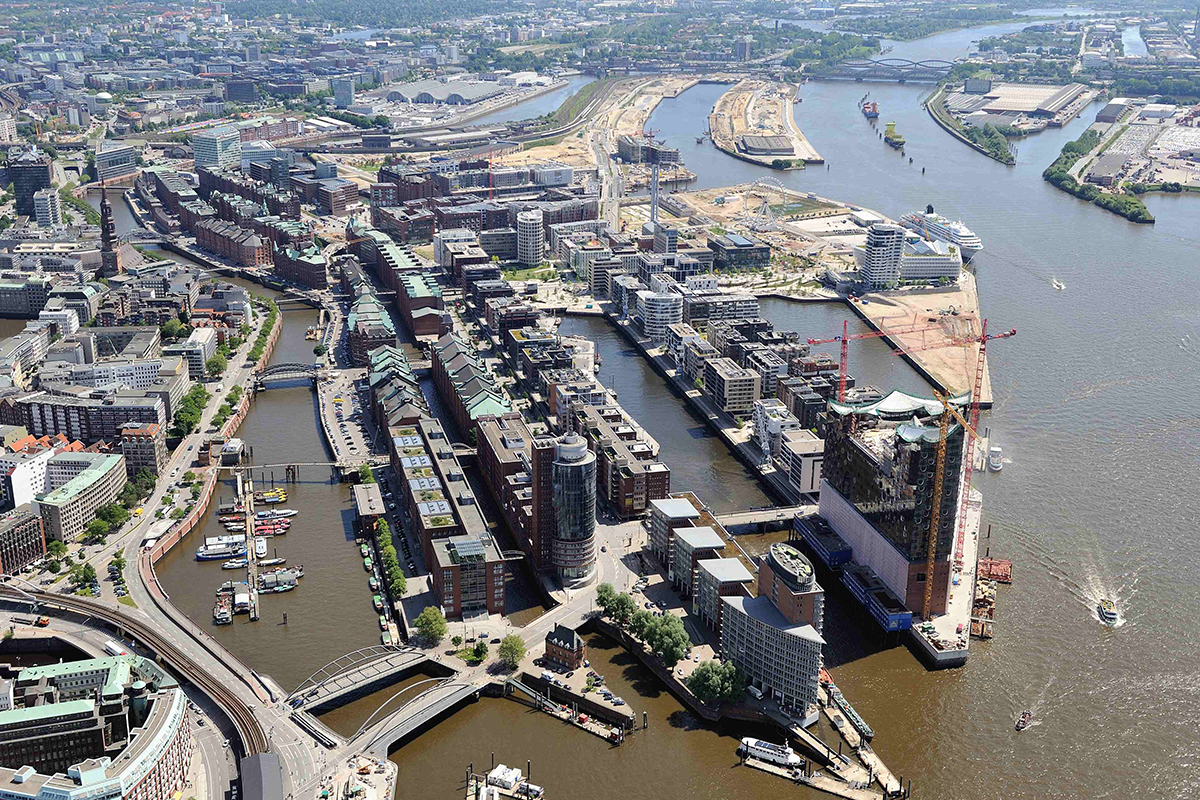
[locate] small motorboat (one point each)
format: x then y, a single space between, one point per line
995 460
1107 610
1024 720
234 563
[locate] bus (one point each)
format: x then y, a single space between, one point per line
114 649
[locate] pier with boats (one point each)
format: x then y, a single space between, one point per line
246 546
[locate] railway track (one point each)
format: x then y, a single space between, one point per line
254 739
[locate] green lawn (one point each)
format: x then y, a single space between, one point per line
530 273
127 601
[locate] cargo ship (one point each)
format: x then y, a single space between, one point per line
894 139
870 110
770 752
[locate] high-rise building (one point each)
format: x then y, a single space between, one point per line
877 490
574 545
531 238
115 160
343 92
219 147
21 539
47 208
29 173
881 260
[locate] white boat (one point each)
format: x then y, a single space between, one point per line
275 513
951 231
1057 284
995 458
260 547
770 752
214 552
234 563
1107 610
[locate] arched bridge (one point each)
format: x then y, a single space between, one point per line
279 373
436 696
354 673
889 69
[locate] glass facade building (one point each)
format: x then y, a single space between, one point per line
573 549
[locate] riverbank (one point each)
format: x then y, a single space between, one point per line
754 108
934 105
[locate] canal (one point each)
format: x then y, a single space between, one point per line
1095 409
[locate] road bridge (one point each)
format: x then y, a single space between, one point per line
291 371
764 516
360 672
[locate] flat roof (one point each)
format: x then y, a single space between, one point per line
726 570
698 538
47 711
763 610
676 507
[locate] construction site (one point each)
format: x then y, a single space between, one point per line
755 121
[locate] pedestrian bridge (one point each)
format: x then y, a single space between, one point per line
434 697
765 516
360 672
281 373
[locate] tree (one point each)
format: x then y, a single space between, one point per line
481 650
216 364
622 610
714 682
640 623
320 350
56 549
53 567
365 475
606 595
97 530
668 639
172 329
512 650
83 575
431 625
456 641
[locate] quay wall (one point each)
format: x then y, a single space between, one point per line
560 694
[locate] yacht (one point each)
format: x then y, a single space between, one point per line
995 458
234 563
260 547
1107 610
944 229
770 752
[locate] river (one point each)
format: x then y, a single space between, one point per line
1095 409
546 103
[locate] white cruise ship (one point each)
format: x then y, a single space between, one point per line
770 752
946 230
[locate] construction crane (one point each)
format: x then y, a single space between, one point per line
848 337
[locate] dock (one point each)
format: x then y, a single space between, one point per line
818 781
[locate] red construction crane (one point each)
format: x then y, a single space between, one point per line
848 337
968 470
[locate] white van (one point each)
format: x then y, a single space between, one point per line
755 692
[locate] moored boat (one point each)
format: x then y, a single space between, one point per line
770 752
234 563
275 513
995 460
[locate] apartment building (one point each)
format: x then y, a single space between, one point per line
732 388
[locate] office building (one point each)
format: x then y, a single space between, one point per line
877 491
30 173
343 92
97 729
219 147
732 388
144 445
667 514
47 208
197 349
803 453
628 472
531 238
115 160
775 637
23 476
717 578
574 477
97 481
21 539
736 252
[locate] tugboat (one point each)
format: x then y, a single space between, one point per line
1024 720
1107 610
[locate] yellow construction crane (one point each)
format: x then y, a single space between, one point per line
939 473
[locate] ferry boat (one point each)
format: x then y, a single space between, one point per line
995 458
1024 720
234 563
770 752
950 231
275 513
271 499
870 110
217 552
260 547
1107 610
